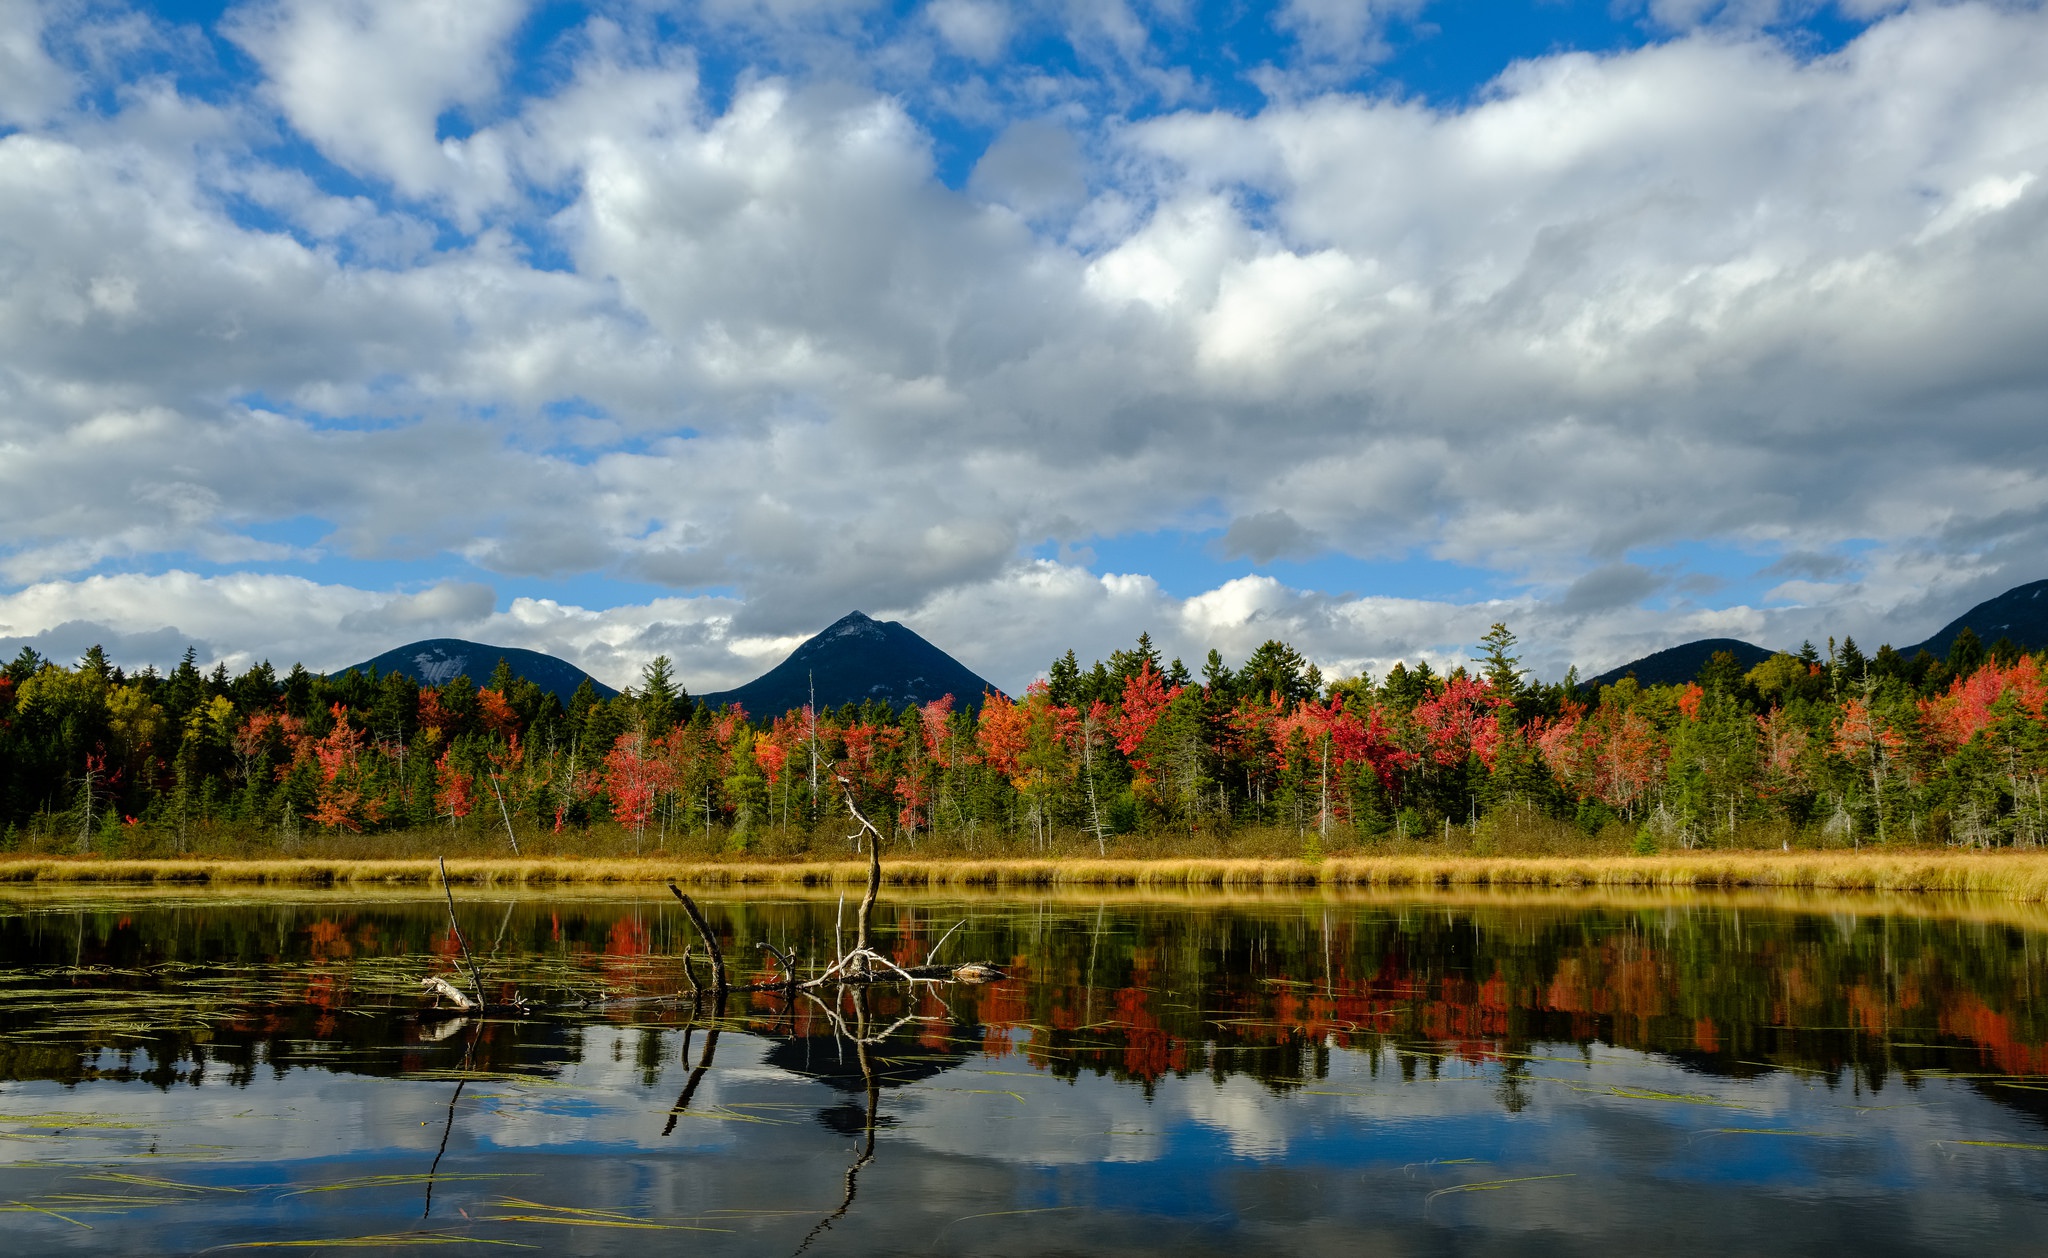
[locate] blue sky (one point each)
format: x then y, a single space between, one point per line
623 327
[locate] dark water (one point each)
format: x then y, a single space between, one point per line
1282 1076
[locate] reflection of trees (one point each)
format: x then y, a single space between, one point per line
864 1038
448 1124
696 1078
856 1030
1139 993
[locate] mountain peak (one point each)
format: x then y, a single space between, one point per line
854 659
437 661
854 624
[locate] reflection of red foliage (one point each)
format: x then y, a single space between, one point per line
627 938
1149 1051
1965 1016
1704 1037
327 940
1000 1007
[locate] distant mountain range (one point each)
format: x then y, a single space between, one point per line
854 659
2020 613
858 658
437 661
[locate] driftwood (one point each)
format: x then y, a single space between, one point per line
441 989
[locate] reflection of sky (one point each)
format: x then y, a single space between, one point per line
1637 1147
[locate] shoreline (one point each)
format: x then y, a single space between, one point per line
2014 875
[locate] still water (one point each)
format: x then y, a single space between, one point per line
1243 1076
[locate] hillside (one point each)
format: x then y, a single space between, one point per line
1677 665
2020 613
437 660
854 659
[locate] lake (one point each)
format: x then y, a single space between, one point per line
1209 1074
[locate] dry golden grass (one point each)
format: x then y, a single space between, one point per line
2022 876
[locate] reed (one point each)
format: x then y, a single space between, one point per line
2018 875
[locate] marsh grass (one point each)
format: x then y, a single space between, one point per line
2021 876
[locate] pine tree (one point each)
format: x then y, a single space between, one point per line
1499 663
1965 653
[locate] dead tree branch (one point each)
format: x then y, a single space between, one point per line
710 940
475 982
787 962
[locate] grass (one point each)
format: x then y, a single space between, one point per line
2017 875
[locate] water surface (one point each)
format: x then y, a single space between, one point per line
1262 1075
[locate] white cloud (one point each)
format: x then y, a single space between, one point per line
32 86
1703 291
369 81
972 28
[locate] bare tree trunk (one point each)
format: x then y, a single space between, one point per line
503 812
718 979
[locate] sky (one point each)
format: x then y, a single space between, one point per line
620 328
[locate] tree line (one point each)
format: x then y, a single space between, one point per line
1839 748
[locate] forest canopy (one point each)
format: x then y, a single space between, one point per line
1837 747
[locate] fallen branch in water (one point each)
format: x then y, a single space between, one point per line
860 967
865 965
787 962
719 983
475 982
441 989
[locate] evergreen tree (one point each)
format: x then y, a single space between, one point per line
1063 681
1966 653
1499 664
1218 680
1124 665
26 664
1276 668
2005 652
663 702
185 689
1851 661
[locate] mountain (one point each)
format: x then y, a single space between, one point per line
854 659
1674 666
438 660
2021 613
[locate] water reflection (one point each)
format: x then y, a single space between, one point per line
1272 1075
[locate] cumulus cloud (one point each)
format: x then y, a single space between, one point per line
751 345
369 81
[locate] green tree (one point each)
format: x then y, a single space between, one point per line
1499 664
663 702
1965 653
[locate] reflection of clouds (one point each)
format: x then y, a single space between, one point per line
1056 1123
1640 1160
1246 1115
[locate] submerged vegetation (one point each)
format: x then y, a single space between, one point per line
1134 758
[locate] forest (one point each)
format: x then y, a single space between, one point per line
1132 756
